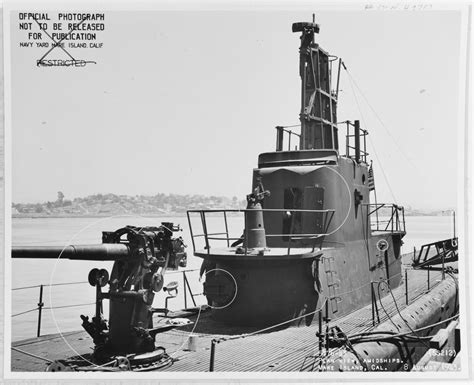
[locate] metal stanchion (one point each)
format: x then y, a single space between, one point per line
327 328
184 291
320 325
372 300
40 309
213 354
429 268
406 286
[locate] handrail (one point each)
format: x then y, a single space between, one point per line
363 146
445 250
327 213
245 210
281 131
81 282
395 223
48 284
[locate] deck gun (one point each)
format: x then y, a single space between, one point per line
141 256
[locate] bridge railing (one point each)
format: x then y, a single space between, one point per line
386 217
227 236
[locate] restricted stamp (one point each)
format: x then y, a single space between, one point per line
61 37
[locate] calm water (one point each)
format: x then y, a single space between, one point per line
64 231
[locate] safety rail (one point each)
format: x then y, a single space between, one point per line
41 306
357 150
395 221
442 252
281 130
327 216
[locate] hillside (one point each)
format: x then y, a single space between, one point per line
112 204
159 204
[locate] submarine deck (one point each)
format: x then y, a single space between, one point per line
285 349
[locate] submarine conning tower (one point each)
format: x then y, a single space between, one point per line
313 175
309 234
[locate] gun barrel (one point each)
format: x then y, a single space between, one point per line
98 252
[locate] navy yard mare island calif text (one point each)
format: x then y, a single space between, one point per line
61 32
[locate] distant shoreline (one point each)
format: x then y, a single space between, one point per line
159 205
163 215
155 215
42 216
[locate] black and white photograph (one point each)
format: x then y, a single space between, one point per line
255 191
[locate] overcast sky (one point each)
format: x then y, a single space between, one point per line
184 101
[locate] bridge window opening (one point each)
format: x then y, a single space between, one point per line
313 200
292 199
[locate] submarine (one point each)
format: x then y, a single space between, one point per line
314 282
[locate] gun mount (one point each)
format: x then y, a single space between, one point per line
141 256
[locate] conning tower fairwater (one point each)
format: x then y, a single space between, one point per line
310 231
